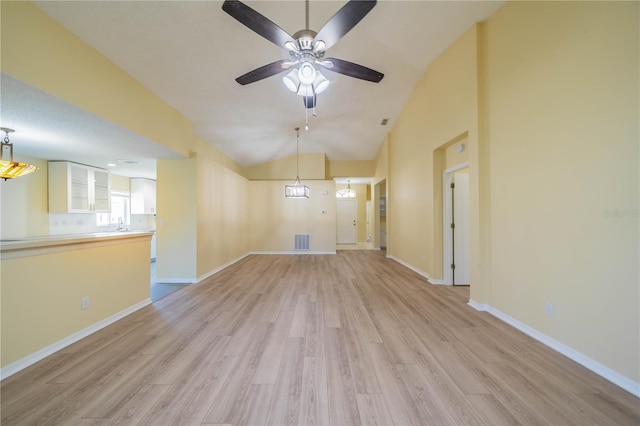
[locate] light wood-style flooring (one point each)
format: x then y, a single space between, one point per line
346 339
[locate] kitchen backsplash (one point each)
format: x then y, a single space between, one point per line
80 223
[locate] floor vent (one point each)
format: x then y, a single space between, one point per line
301 241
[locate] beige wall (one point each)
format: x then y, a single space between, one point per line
551 120
176 220
442 108
274 219
41 295
562 113
311 166
120 183
24 203
351 169
223 210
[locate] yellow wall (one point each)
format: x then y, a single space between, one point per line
562 113
176 220
274 219
41 295
120 183
223 209
551 123
24 203
311 166
443 107
351 169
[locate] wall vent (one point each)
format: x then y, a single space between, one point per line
301 241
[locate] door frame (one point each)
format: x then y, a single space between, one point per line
447 258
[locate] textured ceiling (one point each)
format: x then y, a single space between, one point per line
189 53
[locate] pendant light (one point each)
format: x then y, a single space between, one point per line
297 190
10 169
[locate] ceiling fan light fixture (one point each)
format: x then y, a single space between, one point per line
291 80
307 73
319 45
291 46
305 90
321 83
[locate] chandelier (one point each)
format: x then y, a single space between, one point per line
297 190
10 169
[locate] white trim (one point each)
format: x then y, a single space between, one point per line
414 269
221 267
31 359
601 370
176 280
293 252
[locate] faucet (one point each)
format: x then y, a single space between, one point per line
120 224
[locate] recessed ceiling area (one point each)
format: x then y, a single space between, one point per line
189 53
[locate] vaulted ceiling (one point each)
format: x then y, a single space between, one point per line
190 52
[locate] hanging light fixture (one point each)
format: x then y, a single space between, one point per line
346 193
10 169
297 190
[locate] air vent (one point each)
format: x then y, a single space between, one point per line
301 241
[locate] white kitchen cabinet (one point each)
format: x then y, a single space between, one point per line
77 188
143 196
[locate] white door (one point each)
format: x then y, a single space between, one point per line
461 241
346 222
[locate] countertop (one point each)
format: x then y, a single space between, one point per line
20 247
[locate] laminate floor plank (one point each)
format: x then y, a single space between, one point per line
284 408
314 398
346 339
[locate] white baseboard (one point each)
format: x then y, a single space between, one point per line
293 252
601 370
23 363
417 271
220 268
176 280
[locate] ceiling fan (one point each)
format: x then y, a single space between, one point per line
306 48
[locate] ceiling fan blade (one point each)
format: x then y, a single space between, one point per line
262 72
256 22
309 101
352 70
344 20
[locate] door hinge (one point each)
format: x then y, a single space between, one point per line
453 266
453 185
453 225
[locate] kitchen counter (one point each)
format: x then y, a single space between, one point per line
34 246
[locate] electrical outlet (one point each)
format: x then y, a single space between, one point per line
548 308
85 303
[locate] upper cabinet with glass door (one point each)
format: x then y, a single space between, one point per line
76 188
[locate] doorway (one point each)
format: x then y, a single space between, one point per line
347 230
456 240
380 216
